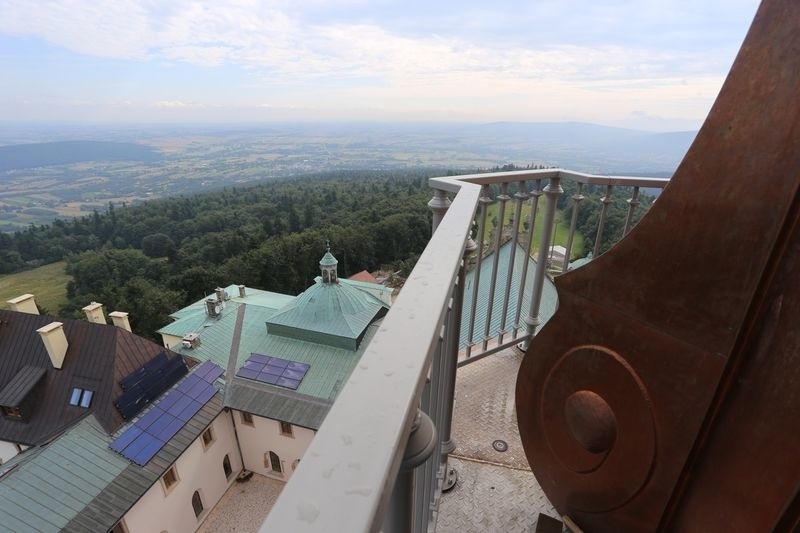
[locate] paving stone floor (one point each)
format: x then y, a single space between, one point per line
244 506
496 491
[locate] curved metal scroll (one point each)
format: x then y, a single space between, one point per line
628 399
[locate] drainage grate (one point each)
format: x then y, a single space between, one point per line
500 445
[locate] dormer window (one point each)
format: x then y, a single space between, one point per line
81 397
12 412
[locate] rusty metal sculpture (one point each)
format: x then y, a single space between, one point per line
665 392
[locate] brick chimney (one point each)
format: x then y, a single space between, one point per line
94 313
24 304
55 342
120 319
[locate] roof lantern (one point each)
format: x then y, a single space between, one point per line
329 266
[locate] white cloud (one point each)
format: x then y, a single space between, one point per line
169 104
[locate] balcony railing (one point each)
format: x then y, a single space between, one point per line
379 460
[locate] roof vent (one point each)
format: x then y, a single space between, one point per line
213 307
190 341
222 294
242 292
24 304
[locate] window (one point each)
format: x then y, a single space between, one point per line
197 504
226 466
81 397
208 438
286 429
275 463
169 479
247 418
12 412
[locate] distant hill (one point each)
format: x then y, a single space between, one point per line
65 152
587 147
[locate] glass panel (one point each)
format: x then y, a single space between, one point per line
76 396
86 398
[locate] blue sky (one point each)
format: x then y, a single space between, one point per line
652 64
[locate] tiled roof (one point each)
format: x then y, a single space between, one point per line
548 306
363 276
98 357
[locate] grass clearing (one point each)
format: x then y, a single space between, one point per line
47 283
561 226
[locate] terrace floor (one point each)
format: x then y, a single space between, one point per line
496 491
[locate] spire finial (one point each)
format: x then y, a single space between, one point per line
328 245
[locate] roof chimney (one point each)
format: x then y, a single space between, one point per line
220 294
24 304
55 342
94 313
213 307
120 319
242 293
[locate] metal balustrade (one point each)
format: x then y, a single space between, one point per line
379 460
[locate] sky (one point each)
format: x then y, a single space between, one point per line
649 64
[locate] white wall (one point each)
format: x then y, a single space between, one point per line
265 436
198 468
8 450
170 340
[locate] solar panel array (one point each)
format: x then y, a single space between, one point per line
273 370
147 383
141 441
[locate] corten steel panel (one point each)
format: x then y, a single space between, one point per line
691 427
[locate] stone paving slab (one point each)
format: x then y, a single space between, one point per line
244 506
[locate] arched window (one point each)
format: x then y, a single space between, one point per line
325 276
197 504
275 463
226 466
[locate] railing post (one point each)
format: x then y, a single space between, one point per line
484 200
552 191
577 198
633 201
519 197
535 194
449 369
439 205
400 515
503 197
606 200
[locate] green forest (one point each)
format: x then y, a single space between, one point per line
153 258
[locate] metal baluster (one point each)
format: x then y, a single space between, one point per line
535 195
519 197
606 200
633 202
503 197
484 200
552 191
577 198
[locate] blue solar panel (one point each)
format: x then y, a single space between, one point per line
141 441
274 371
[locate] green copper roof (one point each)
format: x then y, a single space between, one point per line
335 314
547 308
328 260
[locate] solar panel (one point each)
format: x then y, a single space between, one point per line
273 371
141 441
148 382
